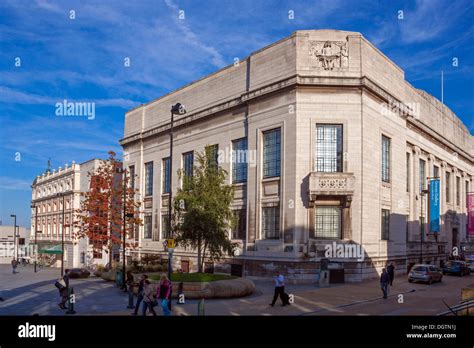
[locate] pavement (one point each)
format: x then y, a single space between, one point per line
29 293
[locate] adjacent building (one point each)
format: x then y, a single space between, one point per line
11 247
56 195
339 148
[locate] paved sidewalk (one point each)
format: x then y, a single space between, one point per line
27 293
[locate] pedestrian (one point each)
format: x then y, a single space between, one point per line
164 294
384 282
14 265
391 272
129 282
279 290
140 293
148 300
64 291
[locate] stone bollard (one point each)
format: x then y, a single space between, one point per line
71 301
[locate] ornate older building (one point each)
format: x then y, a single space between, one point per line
49 191
339 148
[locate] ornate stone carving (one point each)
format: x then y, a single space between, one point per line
330 54
331 183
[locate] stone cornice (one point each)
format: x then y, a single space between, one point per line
306 81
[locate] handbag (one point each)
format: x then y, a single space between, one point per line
60 283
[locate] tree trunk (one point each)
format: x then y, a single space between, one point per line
199 255
203 258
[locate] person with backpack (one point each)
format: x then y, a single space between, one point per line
140 293
164 294
64 290
384 282
391 273
279 290
148 299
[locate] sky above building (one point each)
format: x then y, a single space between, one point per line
120 54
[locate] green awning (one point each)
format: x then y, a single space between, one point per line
56 249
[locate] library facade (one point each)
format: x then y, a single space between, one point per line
339 149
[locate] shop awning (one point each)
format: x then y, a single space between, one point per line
55 249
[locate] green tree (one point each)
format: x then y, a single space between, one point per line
202 210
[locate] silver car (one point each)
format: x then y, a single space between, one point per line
470 263
424 273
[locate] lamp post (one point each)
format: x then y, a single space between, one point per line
14 235
36 231
177 109
422 224
62 235
124 221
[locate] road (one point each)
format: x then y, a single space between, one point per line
28 293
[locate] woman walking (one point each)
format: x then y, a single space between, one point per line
148 300
164 294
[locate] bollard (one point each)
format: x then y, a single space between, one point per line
201 307
70 302
130 297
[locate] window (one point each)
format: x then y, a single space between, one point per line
328 148
97 250
149 179
147 226
131 170
422 175
408 172
271 153
385 224
188 163
458 190
328 222
164 226
271 222
436 171
21 241
239 160
214 149
448 187
166 175
238 232
385 159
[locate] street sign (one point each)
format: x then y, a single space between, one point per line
170 243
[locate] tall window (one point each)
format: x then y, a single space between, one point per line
385 228
271 153
436 171
271 222
422 175
328 148
164 227
166 175
239 160
385 159
408 172
149 179
131 171
188 163
328 222
448 187
238 232
214 154
458 190
147 227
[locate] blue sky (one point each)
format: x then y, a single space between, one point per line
82 59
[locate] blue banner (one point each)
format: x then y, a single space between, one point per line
434 206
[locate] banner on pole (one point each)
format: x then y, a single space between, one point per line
434 206
470 214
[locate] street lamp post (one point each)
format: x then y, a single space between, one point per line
14 235
36 231
177 109
124 177
422 224
62 235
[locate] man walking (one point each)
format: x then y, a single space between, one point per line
391 273
64 291
279 289
141 285
14 265
384 282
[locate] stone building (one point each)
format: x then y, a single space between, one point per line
49 191
339 146
11 247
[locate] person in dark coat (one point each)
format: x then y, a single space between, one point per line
64 291
140 293
384 283
391 272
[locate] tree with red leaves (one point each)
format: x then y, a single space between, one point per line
100 216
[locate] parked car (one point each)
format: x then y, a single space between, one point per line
470 264
424 273
456 267
79 273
